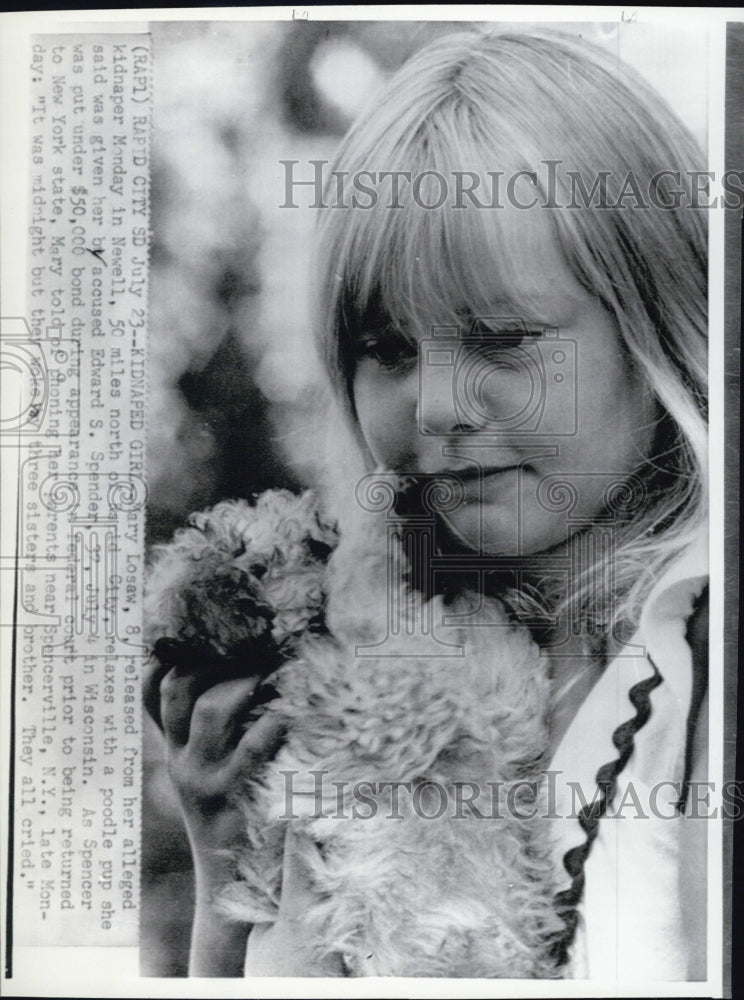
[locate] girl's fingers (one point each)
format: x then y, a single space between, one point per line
166 655
154 674
196 667
181 672
219 715
179 690
263 738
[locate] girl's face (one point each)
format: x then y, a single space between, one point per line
513 417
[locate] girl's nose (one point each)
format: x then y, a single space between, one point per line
439 409
491 389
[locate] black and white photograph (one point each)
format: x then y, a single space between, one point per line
371 471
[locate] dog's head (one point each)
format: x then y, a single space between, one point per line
240 572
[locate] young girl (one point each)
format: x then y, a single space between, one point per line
513 292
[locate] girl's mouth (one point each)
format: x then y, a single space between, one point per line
477 483
448 489
477 473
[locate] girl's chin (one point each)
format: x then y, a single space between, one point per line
483 530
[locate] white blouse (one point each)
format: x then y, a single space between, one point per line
630 917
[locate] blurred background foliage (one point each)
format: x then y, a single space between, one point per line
234 385
232 368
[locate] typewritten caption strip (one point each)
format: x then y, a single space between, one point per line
79 428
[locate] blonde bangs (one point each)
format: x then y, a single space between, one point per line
423 266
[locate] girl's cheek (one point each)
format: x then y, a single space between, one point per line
387 418
388 439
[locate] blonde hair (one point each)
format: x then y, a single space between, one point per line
511 101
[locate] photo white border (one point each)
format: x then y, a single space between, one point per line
114 972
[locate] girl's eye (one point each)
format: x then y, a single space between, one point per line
499 341
390 350
504 337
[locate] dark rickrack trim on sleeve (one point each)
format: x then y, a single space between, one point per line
589 816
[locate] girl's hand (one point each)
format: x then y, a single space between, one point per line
217 733
283 948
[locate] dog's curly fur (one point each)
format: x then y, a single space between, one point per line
459 895
242 575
